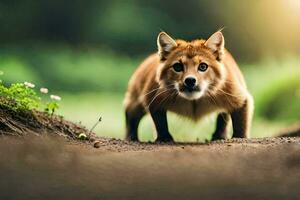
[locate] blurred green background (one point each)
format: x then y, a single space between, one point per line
85 51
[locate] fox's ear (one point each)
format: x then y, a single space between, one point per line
216 44
165 45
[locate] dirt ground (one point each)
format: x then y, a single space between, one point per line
56 168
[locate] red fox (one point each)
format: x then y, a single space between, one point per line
191 79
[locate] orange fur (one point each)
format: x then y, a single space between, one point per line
156 87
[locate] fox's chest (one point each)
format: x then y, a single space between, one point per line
194 109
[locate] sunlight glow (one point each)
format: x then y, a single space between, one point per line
294 3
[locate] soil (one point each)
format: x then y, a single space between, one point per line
23 122
55 168
49 162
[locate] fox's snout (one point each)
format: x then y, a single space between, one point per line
190 82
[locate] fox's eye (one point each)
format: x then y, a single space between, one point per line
202 67
178 67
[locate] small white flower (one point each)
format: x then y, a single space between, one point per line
30 85
44 90
55 97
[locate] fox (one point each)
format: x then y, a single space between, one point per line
191 79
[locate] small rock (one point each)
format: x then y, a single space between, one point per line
114 142
97 144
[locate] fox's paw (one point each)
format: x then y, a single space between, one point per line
168 139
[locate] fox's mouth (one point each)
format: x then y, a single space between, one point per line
190 93
189 89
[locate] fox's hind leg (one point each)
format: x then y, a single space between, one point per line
222 126
134 114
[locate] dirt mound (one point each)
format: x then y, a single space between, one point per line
22 122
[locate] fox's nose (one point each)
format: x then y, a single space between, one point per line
190 82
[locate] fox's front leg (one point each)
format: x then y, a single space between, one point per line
222 126
242 119
161 125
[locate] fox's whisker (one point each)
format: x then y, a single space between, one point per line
165 100
157 96
172 84
226 93
212 98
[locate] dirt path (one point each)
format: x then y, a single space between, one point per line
47 168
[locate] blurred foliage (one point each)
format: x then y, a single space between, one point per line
274 82
275 85
280 99
64 68
253 29
95 45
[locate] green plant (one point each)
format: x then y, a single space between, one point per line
22 96
51 107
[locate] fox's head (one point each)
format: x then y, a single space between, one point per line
194 69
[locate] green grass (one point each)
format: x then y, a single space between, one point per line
87 108
275 86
